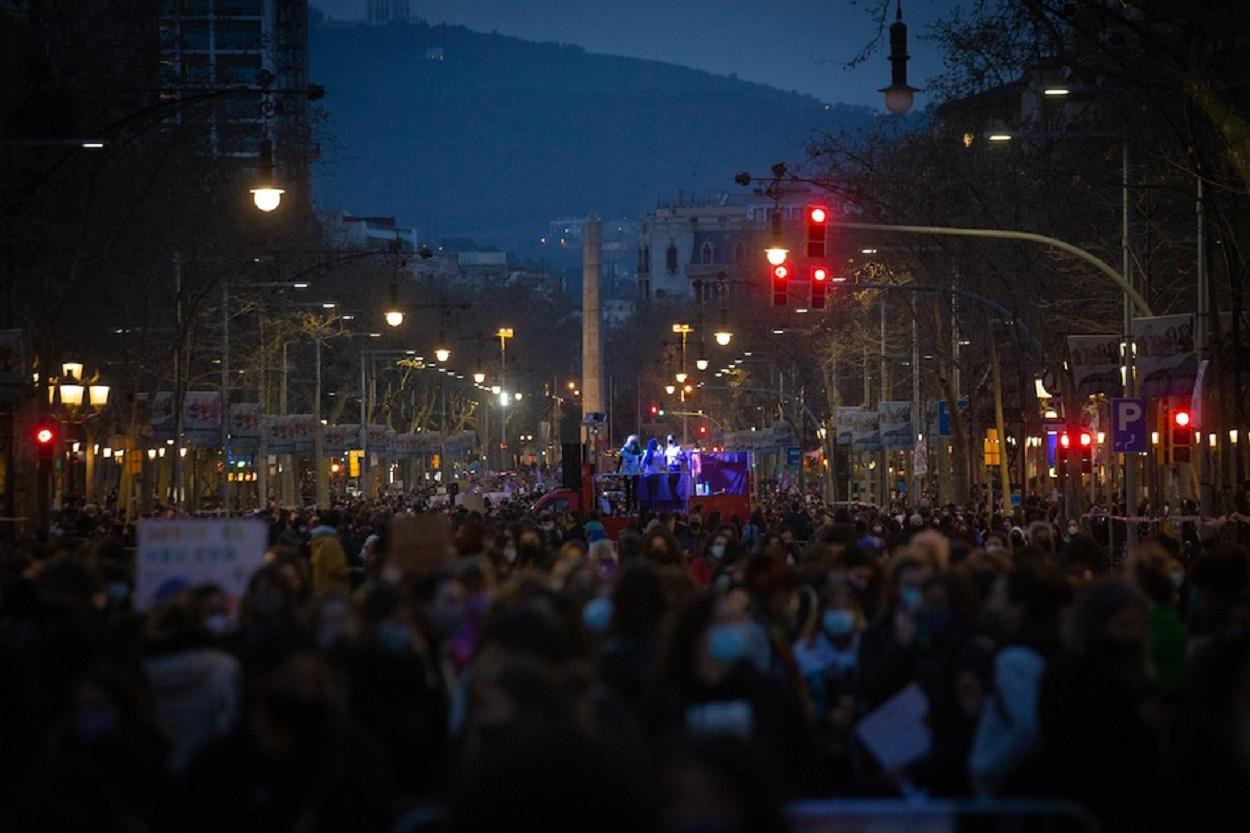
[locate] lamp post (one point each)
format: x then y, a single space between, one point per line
899 96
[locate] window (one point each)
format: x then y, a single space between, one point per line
670 258
707 254
644 261
238 34
644 289
698 291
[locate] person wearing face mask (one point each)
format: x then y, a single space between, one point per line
704 566
395 691
196 687
1160 577
713 684
1097 746
889 649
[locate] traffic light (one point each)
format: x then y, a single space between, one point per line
820 286
1063 452
702 430
1086 440
781 284
1182 435
655 410
45 442
817 230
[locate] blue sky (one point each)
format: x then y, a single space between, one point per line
791 44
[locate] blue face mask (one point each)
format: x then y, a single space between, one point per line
95 725
911 598
736 642
717 551
117 592
838 622
393 638
597 614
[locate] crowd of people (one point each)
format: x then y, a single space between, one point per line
393 669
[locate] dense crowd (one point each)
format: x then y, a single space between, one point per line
396 669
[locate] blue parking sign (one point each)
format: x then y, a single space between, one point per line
1128 426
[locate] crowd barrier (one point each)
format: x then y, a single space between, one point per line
885 815
940 816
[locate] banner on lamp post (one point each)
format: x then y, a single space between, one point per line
201 418
244 425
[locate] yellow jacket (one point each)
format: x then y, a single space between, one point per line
329 562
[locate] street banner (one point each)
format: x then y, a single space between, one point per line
1167 363
747 440
378 441
895 425
794 456
920 458
13 378
201 419
1129 426
337 440
161 416
429 442
407 446
461 442
783 435
175 555
244 426
866 431
1095 363
1198 399
280 430
944 416
302 437
844 425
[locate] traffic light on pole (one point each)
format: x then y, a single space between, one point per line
817 230
781 284
820 286
45 442
1086 440
1182 435
1063 450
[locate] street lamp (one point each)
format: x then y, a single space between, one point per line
680 377
701 363
267 196
479 377
723 335
900 95
776 255
442 352
670 389
72 370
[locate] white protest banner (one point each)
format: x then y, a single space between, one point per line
281 438
302 428
844 422
1095 363
865 431
337 440
895 425
1166 361
201 418
244 426
177 554
161 414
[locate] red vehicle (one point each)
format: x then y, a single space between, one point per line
717 482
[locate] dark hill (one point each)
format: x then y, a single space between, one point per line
489 137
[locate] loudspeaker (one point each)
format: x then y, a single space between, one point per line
571 465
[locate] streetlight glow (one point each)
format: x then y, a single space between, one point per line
701 363
680 377
723 337
394 318
999 137
442 354
776 255
479 377
267 199
72 370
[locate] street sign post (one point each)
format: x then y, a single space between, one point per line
1128 426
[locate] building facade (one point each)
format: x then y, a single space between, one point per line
255 48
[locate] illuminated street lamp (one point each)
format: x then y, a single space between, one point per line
670 389
899 96
267 196
680 377
442 352
479 377
776 255
701 363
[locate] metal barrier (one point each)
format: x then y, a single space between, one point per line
940 816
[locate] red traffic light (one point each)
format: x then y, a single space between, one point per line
817 230
781 272
817 214
45 435
655 409
1181 418
702 429
820 273
1086 439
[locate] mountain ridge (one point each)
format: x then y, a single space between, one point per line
490 136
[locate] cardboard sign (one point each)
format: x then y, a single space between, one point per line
177 554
